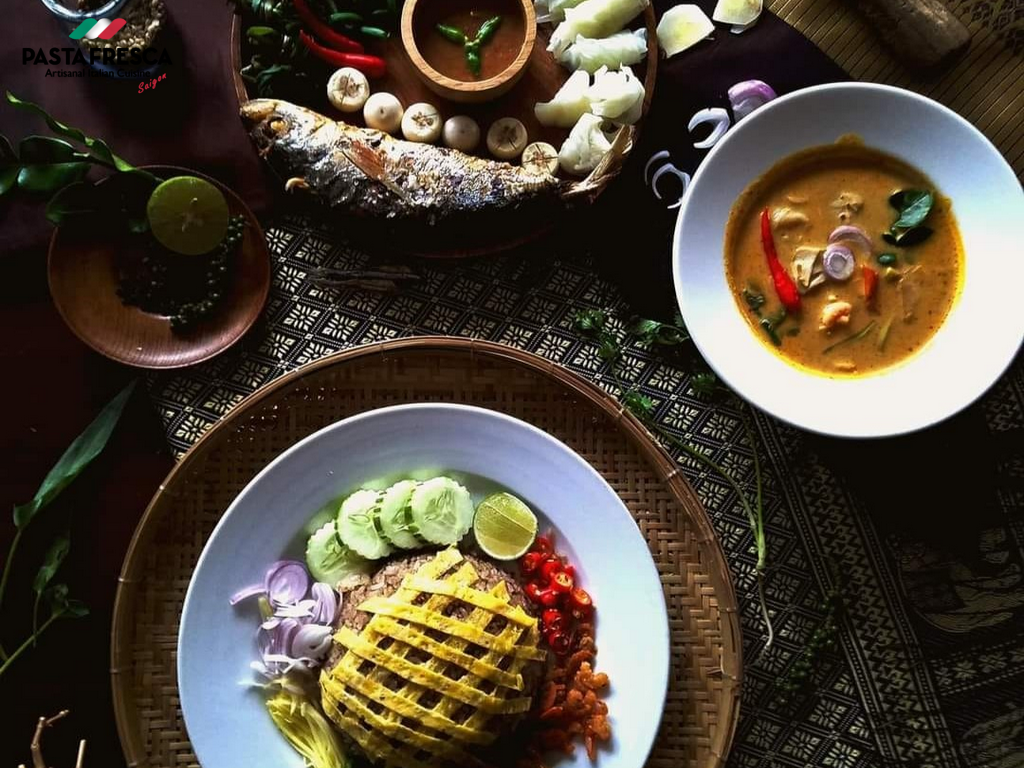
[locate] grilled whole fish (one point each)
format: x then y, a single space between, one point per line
371 174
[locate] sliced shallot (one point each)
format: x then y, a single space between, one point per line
838 262
325 604
719 119
287 582
243 594
851 233
684 180
662 155
312 641
748 95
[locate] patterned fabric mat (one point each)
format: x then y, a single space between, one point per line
929 668
986 85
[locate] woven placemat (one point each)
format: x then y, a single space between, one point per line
986 85
703 699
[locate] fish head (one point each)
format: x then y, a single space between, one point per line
271 121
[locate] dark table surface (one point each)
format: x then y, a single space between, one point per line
54 385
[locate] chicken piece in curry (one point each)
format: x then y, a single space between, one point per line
843 259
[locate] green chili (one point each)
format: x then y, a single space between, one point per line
346 18
451 33
487 30
377 32
473 58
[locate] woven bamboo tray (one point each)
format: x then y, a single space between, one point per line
703 698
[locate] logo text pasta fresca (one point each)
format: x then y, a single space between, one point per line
97 29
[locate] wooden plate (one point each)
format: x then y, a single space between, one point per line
703 703
542 78
83 282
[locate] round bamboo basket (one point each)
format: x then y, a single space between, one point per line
703 699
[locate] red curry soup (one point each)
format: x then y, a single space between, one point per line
443 28
843 259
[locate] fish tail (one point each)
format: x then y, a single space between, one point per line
607 169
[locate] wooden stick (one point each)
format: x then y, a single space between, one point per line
36 748
81 754
922 33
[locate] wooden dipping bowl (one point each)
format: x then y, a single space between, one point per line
467 91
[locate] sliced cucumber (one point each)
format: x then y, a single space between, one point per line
442 510
329 560
396 518
359 525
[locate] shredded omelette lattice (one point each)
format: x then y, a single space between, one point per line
418 687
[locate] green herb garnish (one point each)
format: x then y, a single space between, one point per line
913 206
849 339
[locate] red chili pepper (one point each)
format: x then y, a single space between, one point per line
530 561
559 642
870 285
542 544
549 568
371 66
552 619
562 582
533 591
549 598
335 40
580 600
784 285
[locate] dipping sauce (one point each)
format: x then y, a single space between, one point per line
467 16
866 303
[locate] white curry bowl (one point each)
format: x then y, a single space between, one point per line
985 326
227 721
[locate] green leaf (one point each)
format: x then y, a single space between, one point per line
74 200
913 236
608 349
916 205
640 405
590 320
54 557
890 238
754 299
76 609
50 178
42 150
9 166
704 383
57 598
98 147
86 447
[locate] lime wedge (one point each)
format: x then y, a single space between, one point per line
188 215
504 526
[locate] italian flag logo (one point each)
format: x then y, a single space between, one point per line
97 29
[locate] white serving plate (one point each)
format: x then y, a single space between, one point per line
227 722
985 327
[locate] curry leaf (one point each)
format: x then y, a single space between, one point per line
57 598
704 383
913 236
76 609
915 207
98 147
86 447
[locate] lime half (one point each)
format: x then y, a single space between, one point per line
188 215
504 526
